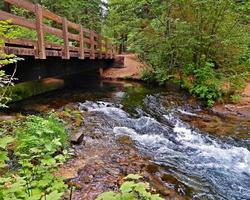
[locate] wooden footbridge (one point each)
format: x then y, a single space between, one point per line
76 41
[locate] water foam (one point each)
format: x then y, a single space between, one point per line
225 166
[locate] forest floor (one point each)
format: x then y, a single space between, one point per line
131 70
242 108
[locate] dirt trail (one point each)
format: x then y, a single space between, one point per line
131 69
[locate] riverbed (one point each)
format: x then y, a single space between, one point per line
191 151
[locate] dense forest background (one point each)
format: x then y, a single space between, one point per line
203 45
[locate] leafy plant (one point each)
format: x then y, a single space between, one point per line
131 189
39 145
6 32
176 37
205 82
235 98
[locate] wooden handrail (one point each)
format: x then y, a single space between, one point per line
98 45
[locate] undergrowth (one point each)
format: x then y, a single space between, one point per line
30 151
131 189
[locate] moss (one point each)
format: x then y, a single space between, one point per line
27 89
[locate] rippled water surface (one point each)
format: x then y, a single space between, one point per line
215 164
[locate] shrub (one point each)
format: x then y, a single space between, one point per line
39 145
206 84
131 189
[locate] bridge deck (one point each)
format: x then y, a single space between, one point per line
76 41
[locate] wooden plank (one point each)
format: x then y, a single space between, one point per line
21 42
81 51
50 45
53 31
22 4
41 54
16 20
19 51
74 54
53 53
73 36
92 45
59 33
52 16
66 54
74 25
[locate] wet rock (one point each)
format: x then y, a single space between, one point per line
159 186
125 140
86 179
170 179
77 138
152 168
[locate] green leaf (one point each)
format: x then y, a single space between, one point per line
127 186
141 188
54 196
49 161
4 141
133 177
107 196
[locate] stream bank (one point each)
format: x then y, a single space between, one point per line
129 67
184 151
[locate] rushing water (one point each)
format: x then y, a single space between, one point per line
213 167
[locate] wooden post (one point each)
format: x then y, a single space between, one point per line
101 72
106 48
6 7
112 51
81 51
65 54
100 46
92 45
40 52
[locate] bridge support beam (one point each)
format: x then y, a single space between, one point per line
101 72
32 69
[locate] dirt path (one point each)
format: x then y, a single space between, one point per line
241 109
131 69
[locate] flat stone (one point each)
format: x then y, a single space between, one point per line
77 138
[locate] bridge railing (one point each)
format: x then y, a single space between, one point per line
89 43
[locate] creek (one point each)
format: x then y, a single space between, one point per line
206 153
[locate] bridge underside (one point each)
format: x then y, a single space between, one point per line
31 69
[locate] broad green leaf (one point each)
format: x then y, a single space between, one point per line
54 196
4 141
133 177
127 186
107 196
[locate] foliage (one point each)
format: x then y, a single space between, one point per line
169 35
235 98
39 145
205 82
131 189
6 32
